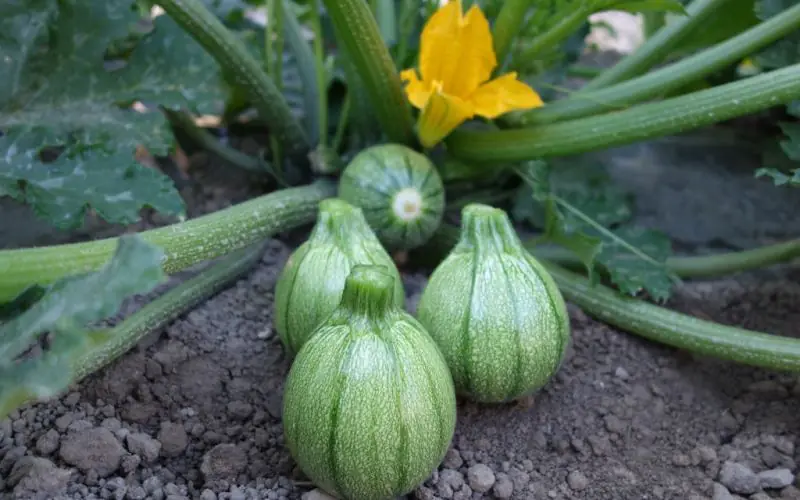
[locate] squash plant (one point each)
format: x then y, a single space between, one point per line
85 89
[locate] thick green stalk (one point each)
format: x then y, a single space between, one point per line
309 73
675 329
701 266
207 141
507 25
669 78
655 49
185 244
166 308
559 32
357 31
321 78
273 59
646 121
234 58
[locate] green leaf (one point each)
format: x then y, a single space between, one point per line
780 178
578 213
791 146
64 312
785 51
630 271
638 6
63 190
64 94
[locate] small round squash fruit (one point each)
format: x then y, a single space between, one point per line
311 283
496 314
369 405
400 192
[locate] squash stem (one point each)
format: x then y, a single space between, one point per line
368 291
667 79
231 54
207 141
675 329
702 266
645 121
557 34
507 25
184 244
656 48
360 37
321 76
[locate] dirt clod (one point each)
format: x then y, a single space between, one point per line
95 449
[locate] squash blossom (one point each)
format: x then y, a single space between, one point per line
455 63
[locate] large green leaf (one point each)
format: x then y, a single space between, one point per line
64 312
63 92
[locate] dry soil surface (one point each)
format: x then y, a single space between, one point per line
195 410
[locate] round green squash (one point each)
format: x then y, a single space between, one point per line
495 312
400 192
369 405
310 285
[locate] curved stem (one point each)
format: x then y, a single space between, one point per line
675 329
700 266
669 78
556 34
658 46
165 309
507 25
321 78
357 31
207 141
185 244
646 121
234 58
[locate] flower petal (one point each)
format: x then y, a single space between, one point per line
440 116
457 51
417 91
504 94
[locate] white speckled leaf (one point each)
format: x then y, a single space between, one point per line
116 187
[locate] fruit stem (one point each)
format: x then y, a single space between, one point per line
368 291
486 227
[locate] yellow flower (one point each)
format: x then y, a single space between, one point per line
456 61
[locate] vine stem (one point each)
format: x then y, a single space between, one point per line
657 47
507 25
110 344
646 121
234 58
207 141
358 33
184 244
675 329
559 32
167 308
666 79
701 266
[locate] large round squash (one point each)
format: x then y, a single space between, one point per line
369 404
495 312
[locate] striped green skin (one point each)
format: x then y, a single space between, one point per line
369 405
310 285
495 312
376 175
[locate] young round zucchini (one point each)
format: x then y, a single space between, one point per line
400 192
369 406
495 312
